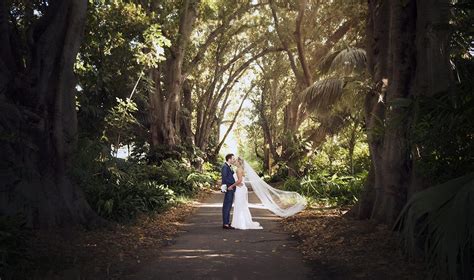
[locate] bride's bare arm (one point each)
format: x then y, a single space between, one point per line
240 174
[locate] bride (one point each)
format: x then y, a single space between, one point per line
281 203
242 219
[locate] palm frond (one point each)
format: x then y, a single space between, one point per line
345 61
323 94
326 62
442 218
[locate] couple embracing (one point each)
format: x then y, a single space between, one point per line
281 203
236 193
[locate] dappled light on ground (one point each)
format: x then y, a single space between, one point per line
206 251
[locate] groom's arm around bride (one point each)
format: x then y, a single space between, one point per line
228 180
227 176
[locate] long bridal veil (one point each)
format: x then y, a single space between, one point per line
281 203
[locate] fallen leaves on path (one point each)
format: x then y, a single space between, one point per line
105 252
344 248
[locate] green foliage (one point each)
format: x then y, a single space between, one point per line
440 220
213 170
189 156
281 173
345 80
124 200
334 155
296 156
292 184
443 135
442 132
328 189
118 189
151 51
200 180
336 171
182 178
120 122
323 94
175 173
121 41
347 61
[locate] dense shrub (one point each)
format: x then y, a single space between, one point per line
125 200
119 189
292 184
281 173
328 189
174 173
443 135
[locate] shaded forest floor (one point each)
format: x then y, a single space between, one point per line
345 248
102 253
334 246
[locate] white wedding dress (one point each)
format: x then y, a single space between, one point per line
241 218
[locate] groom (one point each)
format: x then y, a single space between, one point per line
228 179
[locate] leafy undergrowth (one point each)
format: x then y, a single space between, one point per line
102 253
343 248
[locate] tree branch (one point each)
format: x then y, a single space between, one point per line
213 35
334 39
266 127
233 120
299 44
284 43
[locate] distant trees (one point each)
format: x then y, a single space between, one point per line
309 33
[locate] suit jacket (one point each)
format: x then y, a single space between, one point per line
227 175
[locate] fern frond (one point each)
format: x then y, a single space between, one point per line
442 217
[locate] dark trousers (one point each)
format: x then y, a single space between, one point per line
227 205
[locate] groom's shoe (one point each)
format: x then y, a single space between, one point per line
228 227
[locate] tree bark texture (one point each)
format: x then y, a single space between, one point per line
407 57
38 117
167 107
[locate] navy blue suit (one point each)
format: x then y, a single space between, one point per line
227 179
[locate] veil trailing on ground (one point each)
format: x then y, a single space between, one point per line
281 203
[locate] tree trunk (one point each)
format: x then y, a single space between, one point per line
232 123
38 115
351 147
186 118
398 53
154 111
168 124
292 122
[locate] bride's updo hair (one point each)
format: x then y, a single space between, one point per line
241 161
